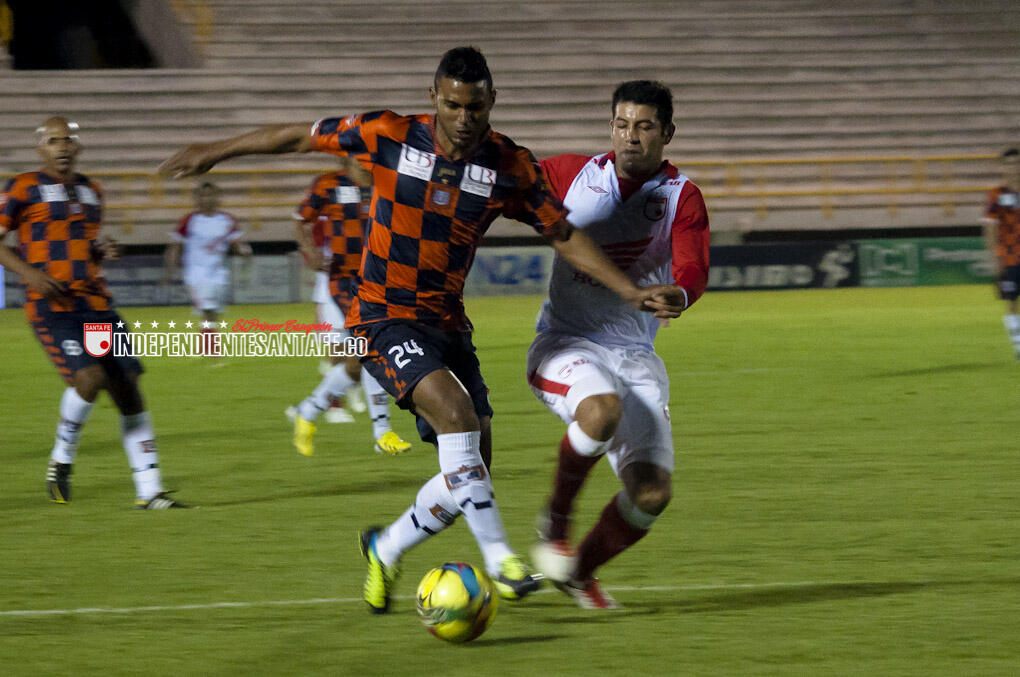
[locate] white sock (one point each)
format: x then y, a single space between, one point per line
434 509
1012 323
461 464
140 445
334 383
74 412
378 404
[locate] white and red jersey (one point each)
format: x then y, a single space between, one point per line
656 232
206 239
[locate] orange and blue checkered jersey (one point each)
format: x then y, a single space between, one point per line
336 199
57 224
429 213
1003 205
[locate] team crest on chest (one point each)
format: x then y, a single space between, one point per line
655 207
441 197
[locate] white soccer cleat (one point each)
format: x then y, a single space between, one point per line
290 413
589 595
555 559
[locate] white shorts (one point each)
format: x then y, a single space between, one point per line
563 370
208 296
330 312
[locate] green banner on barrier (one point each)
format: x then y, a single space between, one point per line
932 261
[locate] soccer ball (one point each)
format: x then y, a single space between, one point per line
456 602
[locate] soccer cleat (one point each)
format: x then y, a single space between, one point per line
304 431
556 560
589 595
380 579
290 413
390 443
161 501
338 415
58 481
514 581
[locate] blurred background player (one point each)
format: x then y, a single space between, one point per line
593 363
57 216
1002 236
438 181
206 235
335 204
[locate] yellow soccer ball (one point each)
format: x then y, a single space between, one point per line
456 602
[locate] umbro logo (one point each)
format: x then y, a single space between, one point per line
598 189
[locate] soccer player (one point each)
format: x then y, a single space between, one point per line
593 363
335 201
438 182
205 236
1002 235
56 214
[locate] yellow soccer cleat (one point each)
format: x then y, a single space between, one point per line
381 579
515 580
390 443
304 431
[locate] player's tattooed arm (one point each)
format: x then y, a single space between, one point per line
198 158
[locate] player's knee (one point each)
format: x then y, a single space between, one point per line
652 498
89 381
599 415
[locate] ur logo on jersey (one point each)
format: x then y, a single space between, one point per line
98 338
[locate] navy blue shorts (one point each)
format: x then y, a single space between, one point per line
62 335
401 353
1009 283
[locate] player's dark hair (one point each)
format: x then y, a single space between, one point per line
465 64
648 93
1009 152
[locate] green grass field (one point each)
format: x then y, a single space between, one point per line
846 503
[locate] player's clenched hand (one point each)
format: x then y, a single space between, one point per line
665 301
198 158
48 286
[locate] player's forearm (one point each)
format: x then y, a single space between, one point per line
12 262
583 254
270 140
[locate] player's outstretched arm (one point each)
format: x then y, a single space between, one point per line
583 254
198 158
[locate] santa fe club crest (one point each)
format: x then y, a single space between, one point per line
655 207
98 338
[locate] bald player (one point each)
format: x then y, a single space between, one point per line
56 215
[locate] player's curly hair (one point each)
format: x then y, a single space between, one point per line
649 93
465 64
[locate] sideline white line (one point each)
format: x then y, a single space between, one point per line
352 600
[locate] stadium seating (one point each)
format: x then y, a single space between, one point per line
775 80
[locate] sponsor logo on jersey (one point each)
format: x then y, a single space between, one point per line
87 195
478 180
1007 199
416 163
599 189
346 194
98 338
52 193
